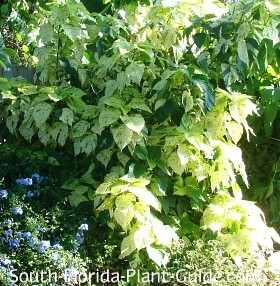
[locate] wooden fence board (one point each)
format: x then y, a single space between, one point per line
25 72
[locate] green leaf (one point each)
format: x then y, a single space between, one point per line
270 111
209 98
243 31
273 6
199 39
53 161
10 52
111 86
123 81
7 94
146 196
125 47
59 132
72 32
175 163
108 116
80 189
41 113
184 153
123 213
44 134
135 72
67 116
70 184
114 102
89 143
46 33
12 122
159 256
80 128
143 237
235 131
122 136
266 93
163 112
28 89
243 52
26 130
123 217
187 100
75 199
77 147
141 152
179 186
139 104
202 83
134 122
127 246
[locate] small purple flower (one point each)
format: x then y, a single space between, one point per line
14 243
43 246
25 182
3 194
17 211
83 227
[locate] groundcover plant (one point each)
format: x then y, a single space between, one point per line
146 120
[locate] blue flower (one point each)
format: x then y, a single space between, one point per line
76 247
37 193
30 194
8 232
80 239
42 229
38 178
7 262
3 194
57 246
83 227
26 235
14 243
8 222
25 182
70 273
32 242
17 211
55 257
43 246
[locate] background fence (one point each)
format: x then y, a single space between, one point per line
14 71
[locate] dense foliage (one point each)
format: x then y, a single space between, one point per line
156 114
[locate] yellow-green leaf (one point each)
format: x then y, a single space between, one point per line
127 246
108 116
41 113
67 116
143 237
134 122
122 136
